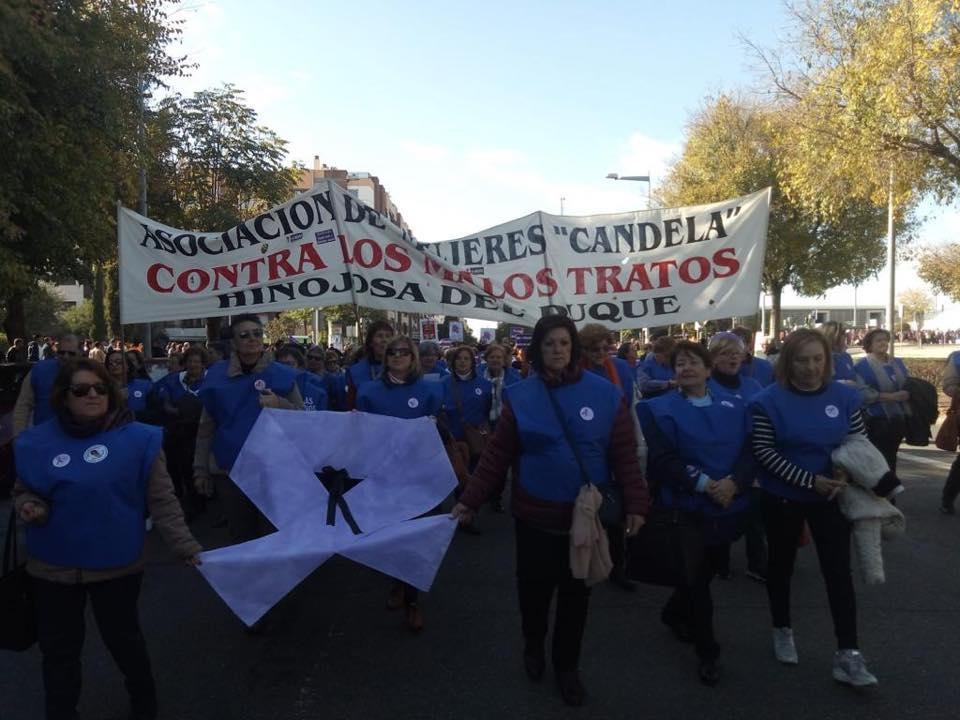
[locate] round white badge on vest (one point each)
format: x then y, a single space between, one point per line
586 413
61 460
478 391
413 403
138 393
832 411
259 384
95 453
726 403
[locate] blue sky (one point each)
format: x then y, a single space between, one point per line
475 113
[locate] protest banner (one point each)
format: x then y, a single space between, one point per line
486 336
428 329
324 247
456 331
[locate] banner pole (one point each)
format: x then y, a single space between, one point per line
123 343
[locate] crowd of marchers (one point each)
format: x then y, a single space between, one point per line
598 442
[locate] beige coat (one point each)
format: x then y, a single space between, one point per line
167 518
589 547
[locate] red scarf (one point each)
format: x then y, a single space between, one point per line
608 367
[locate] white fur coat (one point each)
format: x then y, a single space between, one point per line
873 517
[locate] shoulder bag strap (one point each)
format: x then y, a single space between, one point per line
584 475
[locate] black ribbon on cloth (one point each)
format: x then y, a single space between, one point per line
337 484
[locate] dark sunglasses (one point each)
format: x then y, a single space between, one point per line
398 352
247 334
83 389
67 353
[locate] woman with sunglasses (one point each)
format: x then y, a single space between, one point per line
316 360
311 386
369 367
33 402
402 393
136 392
85 480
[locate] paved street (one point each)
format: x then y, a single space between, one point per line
332 650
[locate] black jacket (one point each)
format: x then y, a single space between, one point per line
923 403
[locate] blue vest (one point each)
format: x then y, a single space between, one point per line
170 388
548 466
475 397
710 438
437 375
624 375
41 380
97 491
843 367
234 404
417 399
748 388
808 429
362 372
138 390
654 370
313 390
759 369
865 372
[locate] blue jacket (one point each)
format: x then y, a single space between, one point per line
474 396
808 427
689 445
42 376
138 393
234 404
420 398
548 466
96 488
759 369
362 372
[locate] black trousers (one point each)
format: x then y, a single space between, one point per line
543 567
886 434
62 627
179 447
951 488
694 604
617 540
783 520
753 534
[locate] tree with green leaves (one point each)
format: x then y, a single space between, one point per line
70 88
940 266
734 148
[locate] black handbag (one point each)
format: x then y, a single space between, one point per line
18 629
611 512
668 550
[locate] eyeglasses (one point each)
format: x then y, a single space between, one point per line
398 352
83 389
67 353
247 334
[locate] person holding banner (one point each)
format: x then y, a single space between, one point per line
797 423
530 438
700 453
33 402
311 387
402 393
232 394
595 341
370 366
85 479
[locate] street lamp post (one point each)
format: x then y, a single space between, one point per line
638 178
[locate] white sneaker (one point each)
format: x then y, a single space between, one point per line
783 646
849 667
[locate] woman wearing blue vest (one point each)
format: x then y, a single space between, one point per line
654 374
312 387
797 422
135 392
466 398
595 341
333 381
530 438
836 335
700 455
430 367
233 393
500 376
951 387
759 369
370 366
402 393
887 404
85 480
